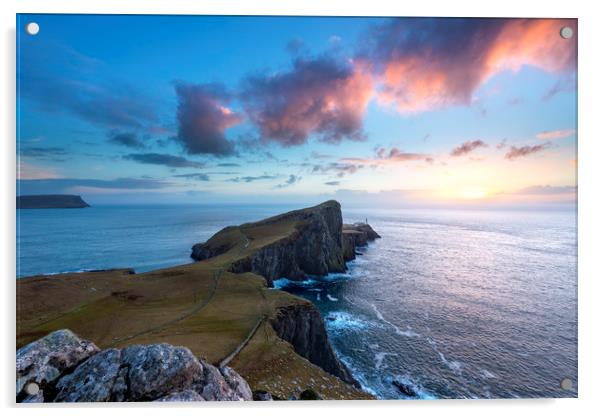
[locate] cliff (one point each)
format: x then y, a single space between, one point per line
50 201
310 241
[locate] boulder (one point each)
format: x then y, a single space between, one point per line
182 396
92 381
43 361
156 370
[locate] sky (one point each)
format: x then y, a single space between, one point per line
218 109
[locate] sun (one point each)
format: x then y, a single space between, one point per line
473 193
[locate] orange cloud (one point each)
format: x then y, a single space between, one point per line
426 64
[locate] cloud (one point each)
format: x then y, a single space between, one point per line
318 96
340 169
196 176
555 134
396 155
547 190
65 185
163 159
68 82
203 117
332 183
516 152
248 179
126 139
427 64
52 153
292 179
228 165
467 147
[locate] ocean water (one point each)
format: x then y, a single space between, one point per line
448 304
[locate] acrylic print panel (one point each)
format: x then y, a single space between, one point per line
258 208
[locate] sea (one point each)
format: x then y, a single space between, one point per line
449 303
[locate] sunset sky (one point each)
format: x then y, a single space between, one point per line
408 111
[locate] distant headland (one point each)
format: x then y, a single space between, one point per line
50 201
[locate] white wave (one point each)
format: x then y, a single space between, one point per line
407 333
344 320
487 374
379 358
331 298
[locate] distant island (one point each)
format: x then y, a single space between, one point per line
50 201
219 309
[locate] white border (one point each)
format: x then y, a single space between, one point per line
590 208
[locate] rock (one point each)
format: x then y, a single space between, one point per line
310 394
231 387
302 326
43 361
136 373
182 396
156 370
239 386
92 381
404 388
262 396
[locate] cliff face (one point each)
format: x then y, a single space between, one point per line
50 201
356 235
312 244
302 326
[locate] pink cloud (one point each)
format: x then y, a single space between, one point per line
427 64
555 134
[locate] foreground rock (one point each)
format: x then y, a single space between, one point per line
68 369
310 241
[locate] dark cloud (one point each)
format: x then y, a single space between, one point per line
516 152
128 139
163 159
425 64
228 165
51 153
203 117
318 96
196 176
340 169
397 155
248 179
65 185
332 183
468 147
292 179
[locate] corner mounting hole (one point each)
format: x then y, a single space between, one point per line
32 28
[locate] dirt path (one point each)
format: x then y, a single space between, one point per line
216 276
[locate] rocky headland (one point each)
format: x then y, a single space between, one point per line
220 310
50 201
310 241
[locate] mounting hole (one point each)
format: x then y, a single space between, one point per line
566 384
32 389
566 32
32 28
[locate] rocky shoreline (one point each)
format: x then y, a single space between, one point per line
281 350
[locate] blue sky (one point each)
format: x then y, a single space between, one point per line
211 109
